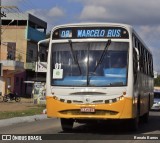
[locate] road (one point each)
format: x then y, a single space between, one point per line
110 131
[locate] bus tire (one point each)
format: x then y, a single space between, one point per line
145 117
134 123
67 124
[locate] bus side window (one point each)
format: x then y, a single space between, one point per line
135 65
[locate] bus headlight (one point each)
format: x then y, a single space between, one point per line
124 93
54 97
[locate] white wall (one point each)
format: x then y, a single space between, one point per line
2 85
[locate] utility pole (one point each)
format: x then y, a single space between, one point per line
0 41
2 14
0 30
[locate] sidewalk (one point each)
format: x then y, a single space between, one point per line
15 120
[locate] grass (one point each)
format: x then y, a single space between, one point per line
29 112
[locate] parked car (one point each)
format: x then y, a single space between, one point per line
156 104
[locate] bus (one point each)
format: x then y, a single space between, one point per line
98 71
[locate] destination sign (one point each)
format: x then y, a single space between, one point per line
88 32
99 33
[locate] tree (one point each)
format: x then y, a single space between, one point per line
157 81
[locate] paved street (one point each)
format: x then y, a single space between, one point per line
82 132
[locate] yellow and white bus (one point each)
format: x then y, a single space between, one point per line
98 71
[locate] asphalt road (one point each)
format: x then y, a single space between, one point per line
111 131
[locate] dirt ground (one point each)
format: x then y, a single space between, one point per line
24 104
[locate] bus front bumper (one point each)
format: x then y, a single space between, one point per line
122 109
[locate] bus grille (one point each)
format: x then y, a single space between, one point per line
109 101
97 112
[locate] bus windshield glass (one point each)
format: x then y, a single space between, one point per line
81 64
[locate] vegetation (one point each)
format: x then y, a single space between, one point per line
29 112
157 81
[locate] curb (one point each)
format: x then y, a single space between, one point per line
15 120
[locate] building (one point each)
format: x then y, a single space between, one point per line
20 34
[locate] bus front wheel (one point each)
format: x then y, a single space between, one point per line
134 123
67 124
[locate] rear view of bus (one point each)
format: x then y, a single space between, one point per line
93 73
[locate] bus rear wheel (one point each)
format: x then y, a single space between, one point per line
145 117
67 124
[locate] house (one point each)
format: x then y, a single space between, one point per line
20 34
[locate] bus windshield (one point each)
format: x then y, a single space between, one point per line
79 64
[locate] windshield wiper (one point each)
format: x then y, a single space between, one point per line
74 57
103 55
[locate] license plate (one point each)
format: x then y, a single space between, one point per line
87 109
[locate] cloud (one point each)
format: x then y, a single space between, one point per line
38 13
151 32
142 14
135 12
51 16
151 35
56 12
92 12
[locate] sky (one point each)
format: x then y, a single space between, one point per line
143 15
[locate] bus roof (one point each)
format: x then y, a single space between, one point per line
92 24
